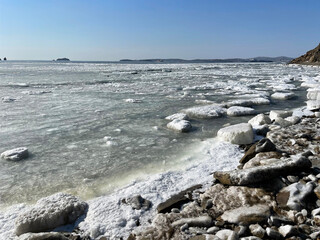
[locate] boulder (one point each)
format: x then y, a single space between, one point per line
178 116
15 154
205 112
247 215
288 231
237 134
138 202
226 198
279 114
259 120
50 212
283 95
294 196
180 125
240 111
263 173
264 145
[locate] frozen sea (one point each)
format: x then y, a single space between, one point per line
92 128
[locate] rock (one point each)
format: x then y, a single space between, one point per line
176 200
259 120
227 198
202 221
279 114
262 130
313 104
311 57
283 95
257 230
302 112
264 145
138 202
50 212
293 119
250 238
16 154
205 112
212 230
263 159
237 134
313 94
180 125
178 116
43 236
282 122
288 231
315 212
184 227
246 215
273 234
240 111
293 179
317 191
263 173
7 99
295 195
278 221
227 234
315 235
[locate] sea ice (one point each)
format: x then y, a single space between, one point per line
283 95
237 134
207 112
240 111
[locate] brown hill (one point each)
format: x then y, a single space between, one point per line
312 57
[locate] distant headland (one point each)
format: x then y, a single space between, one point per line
312 57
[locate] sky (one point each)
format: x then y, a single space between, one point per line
139 29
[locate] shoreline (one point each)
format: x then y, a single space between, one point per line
121 223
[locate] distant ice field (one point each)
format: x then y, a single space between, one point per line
91 128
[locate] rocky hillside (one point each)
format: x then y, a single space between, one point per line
312 57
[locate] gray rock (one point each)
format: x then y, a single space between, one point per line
257 231
315 235
227 234
50 212
293 179
278 221
212 230
15 154
263 173
138 202
184 227
288 231
250 238
43 236
273 234
247 215
203 221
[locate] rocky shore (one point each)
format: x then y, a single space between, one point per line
273 194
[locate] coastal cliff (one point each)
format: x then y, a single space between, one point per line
312 57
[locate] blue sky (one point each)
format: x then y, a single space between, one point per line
136 29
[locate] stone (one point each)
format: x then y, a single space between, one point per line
259 120
283 95
50 212
279 114
263 173
255 162
288 231
237 134
227 234
295 195
293 179
315 235
317 191
180 125
264 145
205 112
202 221
177 200
43 236
7 99
315 212
247 215
282 122
262 130
227 198
212 230
278 221
257 230
240 111
293 119
177 116
138 202
16 154
273 234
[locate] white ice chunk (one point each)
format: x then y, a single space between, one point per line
180 125
178 116
313 104
240 111
15 154
259 120
274 114
283 95
207 112
237 134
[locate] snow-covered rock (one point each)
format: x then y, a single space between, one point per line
240 111
177 116
260 120
206 112
313 104
283 95
180 125
237 134
50 212
15 154
279 114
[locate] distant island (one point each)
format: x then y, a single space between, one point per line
228 60
63 60
312 57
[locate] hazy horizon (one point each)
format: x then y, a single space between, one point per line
114 30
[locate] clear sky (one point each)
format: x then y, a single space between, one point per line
136 29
